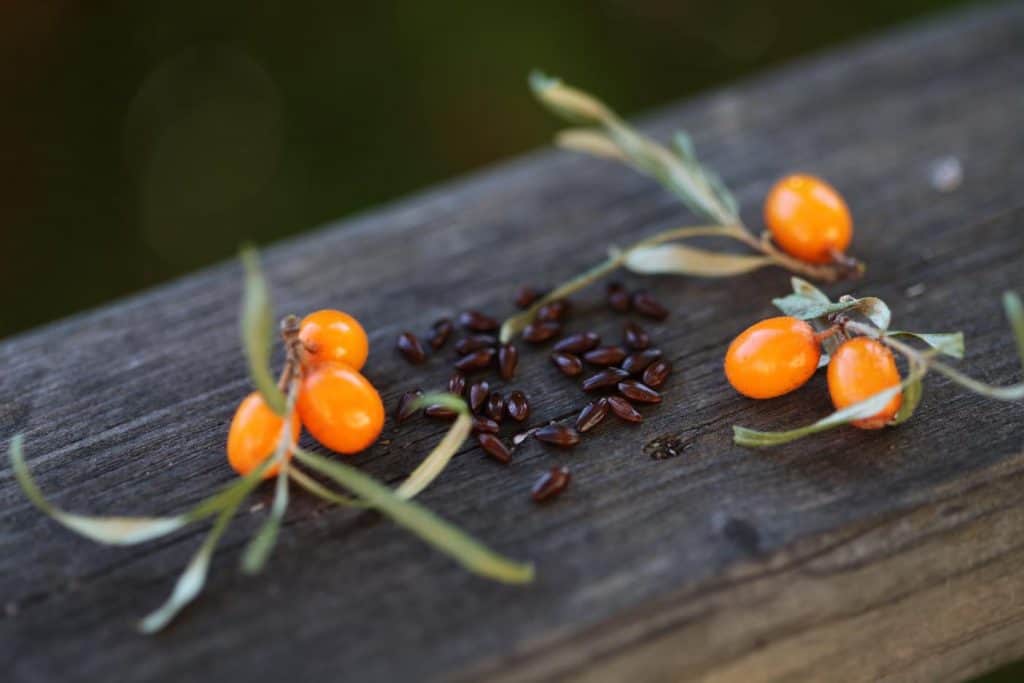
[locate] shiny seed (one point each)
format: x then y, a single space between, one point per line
411 348
553 311
442 330
608 377
592 415
656 374
496 406
493 446
541 331
517 407
484 425
624 410
478 360
440 412
638 361
478 394
581 342
569 364
508 360
525 296
477 321
558 435
405 410
550 484
475 342
605 355
457 383
638 391
645 304
618 297
636 336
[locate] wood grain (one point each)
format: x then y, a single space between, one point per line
857 556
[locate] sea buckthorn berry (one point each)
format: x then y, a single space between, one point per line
808 218
859 369
772 357
340 407
334 335
254 434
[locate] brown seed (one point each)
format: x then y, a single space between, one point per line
558 435
478 394
553 311
645 304
656 374
541 331
405 410
608 377
457 383
624 410
478 360
592 415
569 364
477 321
525 296
605 355
440 412
638 361
618 297
580 342
496 406
493 446
517 407
411 348
485 425
638 391
442 330
550 484
475 342
508 360
636 336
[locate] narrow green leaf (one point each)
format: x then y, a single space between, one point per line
112 530
438 459
589 141
191 581
259 547
809 307
570 103
949 343
257 331
683 144
858 411
685 260
321 491
442 535
1015 314
911 394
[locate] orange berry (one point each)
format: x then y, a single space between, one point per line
859 369
254 433
340 407
772 357
808 218
334 335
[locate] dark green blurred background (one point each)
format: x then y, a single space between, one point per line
142 140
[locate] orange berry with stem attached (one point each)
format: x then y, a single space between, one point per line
808 218
334 335
772 357
340 407
254 435
859 369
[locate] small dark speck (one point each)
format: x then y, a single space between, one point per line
664 447
739 531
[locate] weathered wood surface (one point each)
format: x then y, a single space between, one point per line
896 555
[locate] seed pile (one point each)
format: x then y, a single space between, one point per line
621 376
